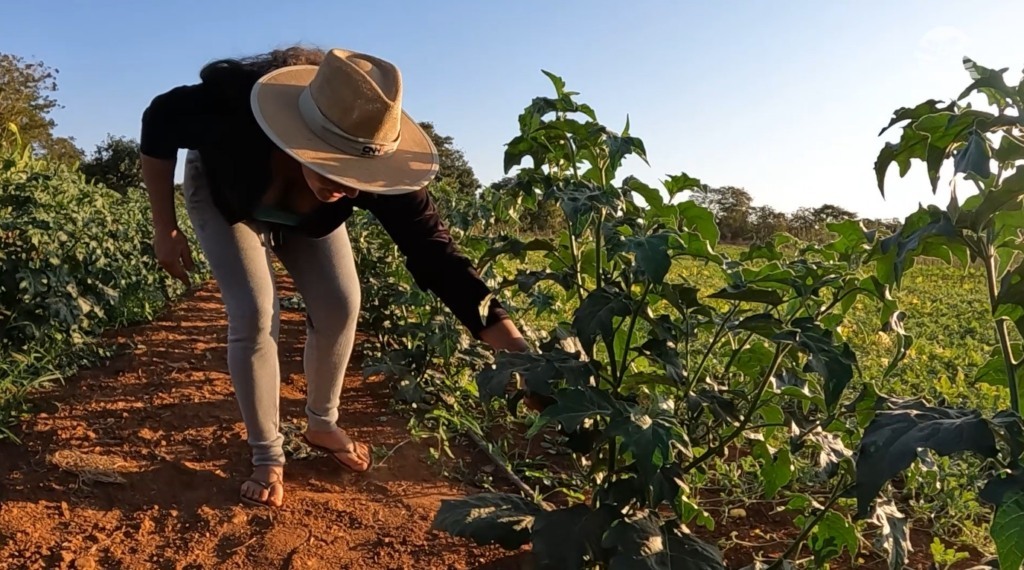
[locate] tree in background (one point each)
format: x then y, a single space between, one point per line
455 172
115 163
765 222
829 213
26 101
731 207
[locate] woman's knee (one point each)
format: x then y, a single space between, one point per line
339 318
251 320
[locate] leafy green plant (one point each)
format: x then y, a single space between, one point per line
75 259
652 377
983 229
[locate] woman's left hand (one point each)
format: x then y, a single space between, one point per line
503 335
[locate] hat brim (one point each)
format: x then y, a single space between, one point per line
275 103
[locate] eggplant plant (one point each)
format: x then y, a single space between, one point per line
653 376
986 147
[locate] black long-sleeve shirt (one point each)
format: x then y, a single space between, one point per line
220 125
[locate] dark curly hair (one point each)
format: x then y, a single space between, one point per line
232 75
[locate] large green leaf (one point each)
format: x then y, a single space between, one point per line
1008 532
573 406
661 351
488 518
538 371
832 535
993 371
651 196
851 237
642 542
928 107
762 324
596 314
744 292
682 297
928 231
638 543
620 146
681 182
698 219
776 468
998 490
713 401
648 439
834 363
527 280
893 438
990 82
519 148
928 136
974 157
1010 149
1009 196
693 244
515 247
652 256
687 552
570 538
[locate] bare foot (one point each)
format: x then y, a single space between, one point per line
355 456
266 486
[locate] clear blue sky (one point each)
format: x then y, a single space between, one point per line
782 98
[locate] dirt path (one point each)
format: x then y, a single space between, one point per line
162 418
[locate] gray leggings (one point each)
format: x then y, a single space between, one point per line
324 273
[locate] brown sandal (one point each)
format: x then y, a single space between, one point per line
265 485
332 453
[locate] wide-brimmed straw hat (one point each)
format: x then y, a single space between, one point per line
344 120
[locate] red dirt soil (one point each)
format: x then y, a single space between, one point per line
164 417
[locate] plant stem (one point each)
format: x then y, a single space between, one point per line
780 351
577 269
612 451
809 527
573 246
714 340
598 269
736 352
629 332
505 469
1001 330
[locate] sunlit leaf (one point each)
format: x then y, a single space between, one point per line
647 438
894 534
1008 532
990 82
537 370
488 518
833 535
573 406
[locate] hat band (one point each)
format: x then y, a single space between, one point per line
339 139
